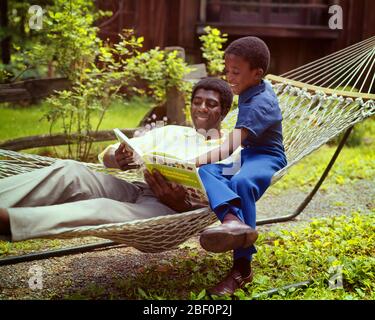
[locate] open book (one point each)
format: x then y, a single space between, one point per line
172 168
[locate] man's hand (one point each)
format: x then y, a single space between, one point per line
124 158
171 194
196 162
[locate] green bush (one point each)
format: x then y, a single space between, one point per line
212 50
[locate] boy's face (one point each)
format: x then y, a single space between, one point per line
206 109
239 74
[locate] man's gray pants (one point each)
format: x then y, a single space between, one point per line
67 194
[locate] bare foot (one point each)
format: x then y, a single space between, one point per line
4 222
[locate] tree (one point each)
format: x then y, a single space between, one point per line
5 39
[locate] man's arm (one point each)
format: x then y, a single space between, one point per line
109 158
119 158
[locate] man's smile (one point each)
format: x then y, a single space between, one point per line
202 116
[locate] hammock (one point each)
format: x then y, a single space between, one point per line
318 102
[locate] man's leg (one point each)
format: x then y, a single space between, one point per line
64 181
34 222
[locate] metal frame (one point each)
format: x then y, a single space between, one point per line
309 197
110 244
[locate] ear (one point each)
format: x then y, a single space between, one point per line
221 115
260 73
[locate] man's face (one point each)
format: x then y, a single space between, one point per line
206 109
239 74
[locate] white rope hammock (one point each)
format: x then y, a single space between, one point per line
318 102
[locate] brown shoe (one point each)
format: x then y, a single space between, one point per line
229 235
233 281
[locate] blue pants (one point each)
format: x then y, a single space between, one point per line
238 193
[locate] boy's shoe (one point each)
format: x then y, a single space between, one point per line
233 281
230 235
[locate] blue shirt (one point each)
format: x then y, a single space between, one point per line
260 114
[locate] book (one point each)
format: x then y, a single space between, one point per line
173 169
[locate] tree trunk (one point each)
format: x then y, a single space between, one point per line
59 139
5 43
175 106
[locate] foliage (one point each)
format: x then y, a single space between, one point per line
212 50
327 248
315 252
97 84
66 39
92 92
69 45
20 35
161 70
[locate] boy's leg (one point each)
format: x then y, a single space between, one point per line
218 188
246 187
250 184
226 204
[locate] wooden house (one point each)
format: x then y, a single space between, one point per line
296 31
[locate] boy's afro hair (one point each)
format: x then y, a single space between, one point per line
253 50
220 86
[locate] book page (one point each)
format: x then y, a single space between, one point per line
137 153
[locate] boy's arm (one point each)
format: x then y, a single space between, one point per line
234 140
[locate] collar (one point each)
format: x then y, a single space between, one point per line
251 92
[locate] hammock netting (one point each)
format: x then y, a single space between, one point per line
318 101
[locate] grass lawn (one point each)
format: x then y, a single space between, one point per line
17 122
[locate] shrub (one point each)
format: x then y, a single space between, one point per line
212 50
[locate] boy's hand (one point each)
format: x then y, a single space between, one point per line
171 194
124 158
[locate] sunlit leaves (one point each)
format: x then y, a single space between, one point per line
212 50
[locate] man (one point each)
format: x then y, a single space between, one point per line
67 194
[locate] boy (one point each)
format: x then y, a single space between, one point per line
258 129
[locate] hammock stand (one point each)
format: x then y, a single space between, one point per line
301 110
112 244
